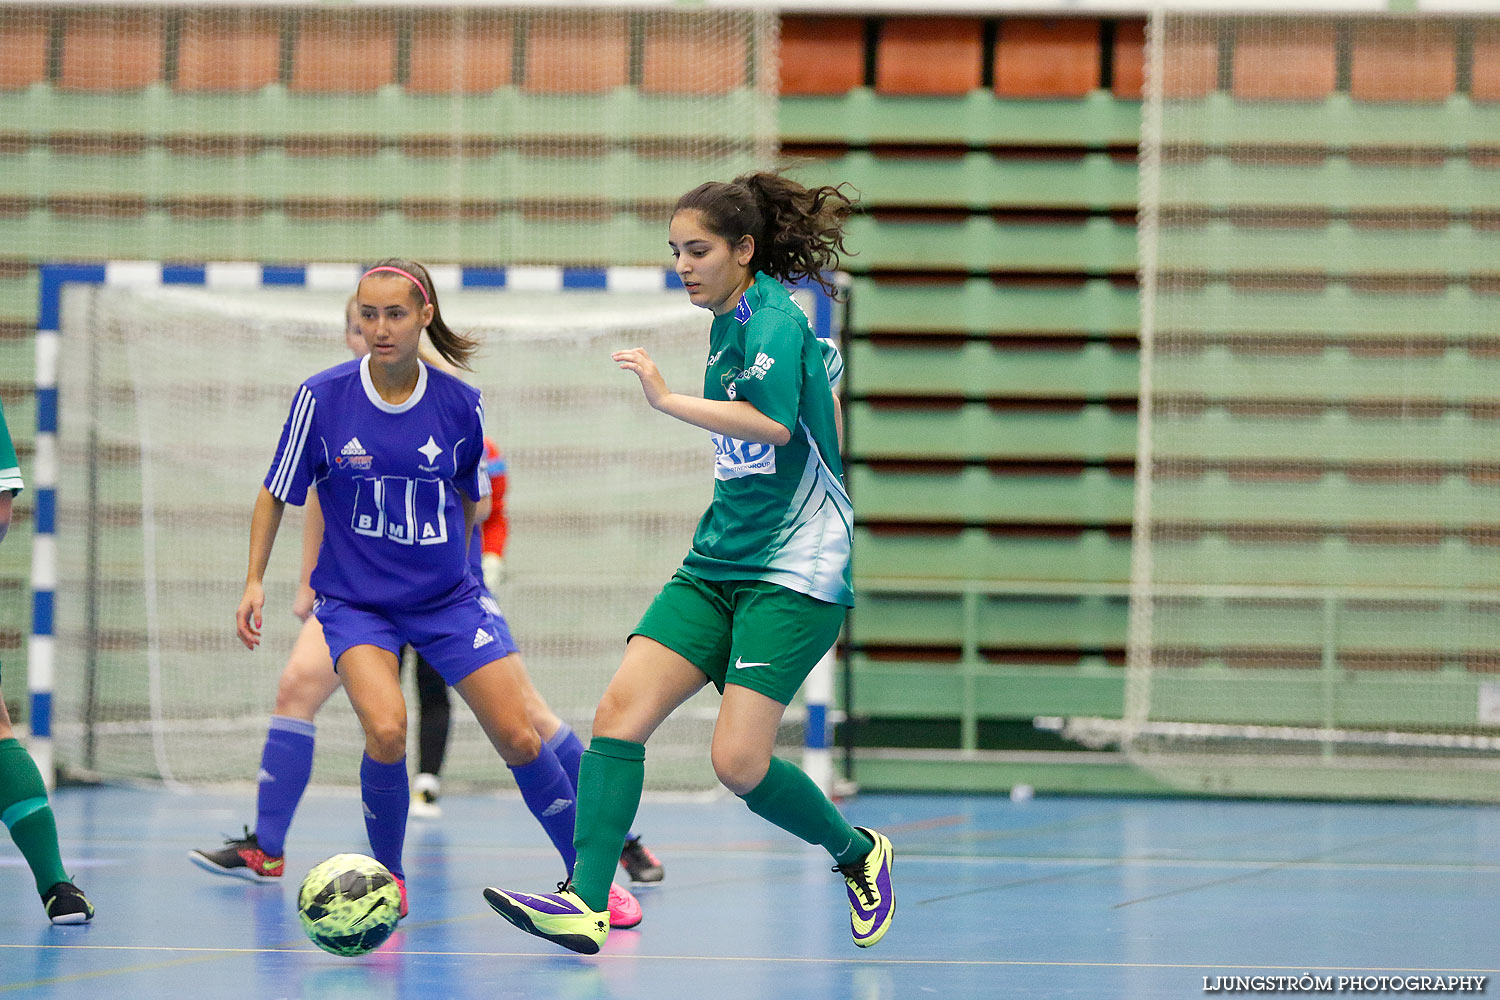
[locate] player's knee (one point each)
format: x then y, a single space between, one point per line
298 695
610 715
525 742
521 745
539 714
738 769
543 721
385 738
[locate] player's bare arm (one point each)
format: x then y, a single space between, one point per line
734 418
264 523
312 541
471 515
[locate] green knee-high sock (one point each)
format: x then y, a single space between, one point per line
789 798
24 809
610 778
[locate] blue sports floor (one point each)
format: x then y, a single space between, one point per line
1097 898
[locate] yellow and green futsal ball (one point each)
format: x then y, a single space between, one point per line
349 904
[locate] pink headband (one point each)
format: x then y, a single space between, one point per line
426 300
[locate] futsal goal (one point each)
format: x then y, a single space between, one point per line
171 385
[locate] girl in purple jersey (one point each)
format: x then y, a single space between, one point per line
395 450
309 680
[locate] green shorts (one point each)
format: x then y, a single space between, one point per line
748 632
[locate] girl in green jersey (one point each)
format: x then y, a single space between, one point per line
23 795
763 590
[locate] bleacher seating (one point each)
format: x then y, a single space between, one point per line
233 52
687 55
343 53
1269 64
1484 65
1396 62
24 38
1057 58
928 56
552 65
111 50
991 364
821 56
469 52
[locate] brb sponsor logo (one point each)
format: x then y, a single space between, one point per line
763 363
734 458
757 371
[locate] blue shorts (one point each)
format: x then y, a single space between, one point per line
457 637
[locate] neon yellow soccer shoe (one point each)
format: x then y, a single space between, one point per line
561 917
872 900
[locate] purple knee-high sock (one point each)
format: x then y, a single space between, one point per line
551 798
285 766
387 797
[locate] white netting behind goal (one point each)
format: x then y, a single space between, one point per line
171 402
1317 563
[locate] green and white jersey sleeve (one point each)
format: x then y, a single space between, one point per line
833 362
779 513
10 469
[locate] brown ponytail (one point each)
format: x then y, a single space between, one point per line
798 231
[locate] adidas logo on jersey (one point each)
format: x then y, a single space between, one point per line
557 806
482 638
353 448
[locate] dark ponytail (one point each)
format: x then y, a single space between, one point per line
798 231
456 348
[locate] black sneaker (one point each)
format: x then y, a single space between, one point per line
241 858
639 863
66 904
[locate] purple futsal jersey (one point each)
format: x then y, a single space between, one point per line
386 475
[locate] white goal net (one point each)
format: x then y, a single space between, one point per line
171 402
1316 588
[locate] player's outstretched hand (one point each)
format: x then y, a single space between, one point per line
637 360
247 617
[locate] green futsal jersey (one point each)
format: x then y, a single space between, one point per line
779 512
10 469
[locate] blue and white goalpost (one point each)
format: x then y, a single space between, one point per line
141 659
